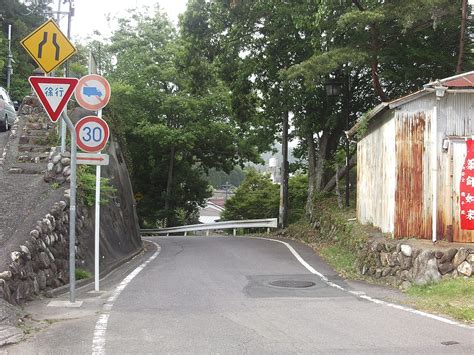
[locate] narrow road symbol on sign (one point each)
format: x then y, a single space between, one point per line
55 44
48 46
92 134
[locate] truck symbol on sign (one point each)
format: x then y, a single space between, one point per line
91 91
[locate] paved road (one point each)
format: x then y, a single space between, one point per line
214 295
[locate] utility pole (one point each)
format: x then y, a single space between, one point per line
69 15
347 113
283 215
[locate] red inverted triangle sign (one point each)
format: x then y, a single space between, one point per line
53 93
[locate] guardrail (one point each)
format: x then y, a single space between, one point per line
234 225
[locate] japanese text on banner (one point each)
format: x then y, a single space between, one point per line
466 188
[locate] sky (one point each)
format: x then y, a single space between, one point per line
90 15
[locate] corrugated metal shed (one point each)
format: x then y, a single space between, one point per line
396 155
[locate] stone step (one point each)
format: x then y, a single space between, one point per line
33 158
29 140
26 171
25 148
36 132
27 168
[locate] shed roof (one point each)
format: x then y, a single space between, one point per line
464 80
460 81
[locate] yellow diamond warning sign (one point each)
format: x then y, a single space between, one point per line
48 46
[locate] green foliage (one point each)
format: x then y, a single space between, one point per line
217 179
337 240
320 65
86 186
297 191
184 217
82 274
257 197
51 140
173 113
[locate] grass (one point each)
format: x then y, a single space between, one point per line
454 297
82 274
336 251
341 259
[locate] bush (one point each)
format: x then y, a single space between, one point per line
82 274
86 186
298 193
257 197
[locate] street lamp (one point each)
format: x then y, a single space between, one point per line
333 86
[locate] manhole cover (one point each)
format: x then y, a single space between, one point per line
448 343
292 283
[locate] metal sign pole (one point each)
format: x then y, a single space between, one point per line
97 220
72 210
63 126
10 57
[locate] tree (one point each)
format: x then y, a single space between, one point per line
256 197
393 46
174 114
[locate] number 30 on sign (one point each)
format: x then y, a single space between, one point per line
92 134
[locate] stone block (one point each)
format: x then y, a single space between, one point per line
465 268
44 260
445 268
425 268
6 275
56 159
406 250
470 258
460 256
41 277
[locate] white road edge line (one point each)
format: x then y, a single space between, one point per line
358 294
98 341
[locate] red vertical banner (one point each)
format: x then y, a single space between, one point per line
466 188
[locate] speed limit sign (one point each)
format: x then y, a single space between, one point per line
92 134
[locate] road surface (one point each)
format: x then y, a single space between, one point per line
226 295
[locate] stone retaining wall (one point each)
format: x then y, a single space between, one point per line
402 263
399 263
58 168
41 263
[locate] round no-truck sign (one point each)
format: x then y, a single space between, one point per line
92 134
92 92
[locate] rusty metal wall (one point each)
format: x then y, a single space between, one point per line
412 193
376 175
